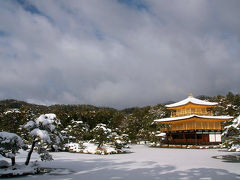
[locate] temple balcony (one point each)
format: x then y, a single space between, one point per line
187 113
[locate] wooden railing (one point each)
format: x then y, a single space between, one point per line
207 113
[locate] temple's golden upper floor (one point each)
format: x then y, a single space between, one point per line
191 106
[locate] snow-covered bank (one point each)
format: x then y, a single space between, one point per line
144 163
91 148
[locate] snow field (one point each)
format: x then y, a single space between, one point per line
143 164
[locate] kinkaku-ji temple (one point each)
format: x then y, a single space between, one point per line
192 122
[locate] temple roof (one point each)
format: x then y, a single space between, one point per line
192 100
191 116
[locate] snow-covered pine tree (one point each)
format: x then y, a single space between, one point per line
10 143
119 140
76 130
44 131
101 134
231 135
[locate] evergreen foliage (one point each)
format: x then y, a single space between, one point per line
231 135
44 131
101 134
10 143
76 131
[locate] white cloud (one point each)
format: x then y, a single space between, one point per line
109 53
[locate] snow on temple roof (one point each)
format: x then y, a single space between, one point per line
193 115
193 100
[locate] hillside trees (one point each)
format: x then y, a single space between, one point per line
227 105
11 120
139 124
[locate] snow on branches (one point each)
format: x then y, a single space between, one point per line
44 131
231 135
10 143
101 134
75 131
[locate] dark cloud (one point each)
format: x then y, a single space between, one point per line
118 53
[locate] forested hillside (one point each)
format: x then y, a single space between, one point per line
136 122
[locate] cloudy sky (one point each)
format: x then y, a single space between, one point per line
118 53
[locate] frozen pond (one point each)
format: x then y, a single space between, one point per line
143 164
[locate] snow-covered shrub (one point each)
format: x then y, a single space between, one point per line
10 143
104 141
101 134
157 138
44 132
73 147
90 148
119 140
75 131
231 135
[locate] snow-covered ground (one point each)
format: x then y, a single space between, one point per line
143 164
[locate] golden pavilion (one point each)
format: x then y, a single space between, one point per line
192 122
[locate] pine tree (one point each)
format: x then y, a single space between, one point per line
231 135
44 131
76 130
10 143
119 140
101 134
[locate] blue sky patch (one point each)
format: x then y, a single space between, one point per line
28 7
138 4
2 33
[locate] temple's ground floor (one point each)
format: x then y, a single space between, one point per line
194 137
